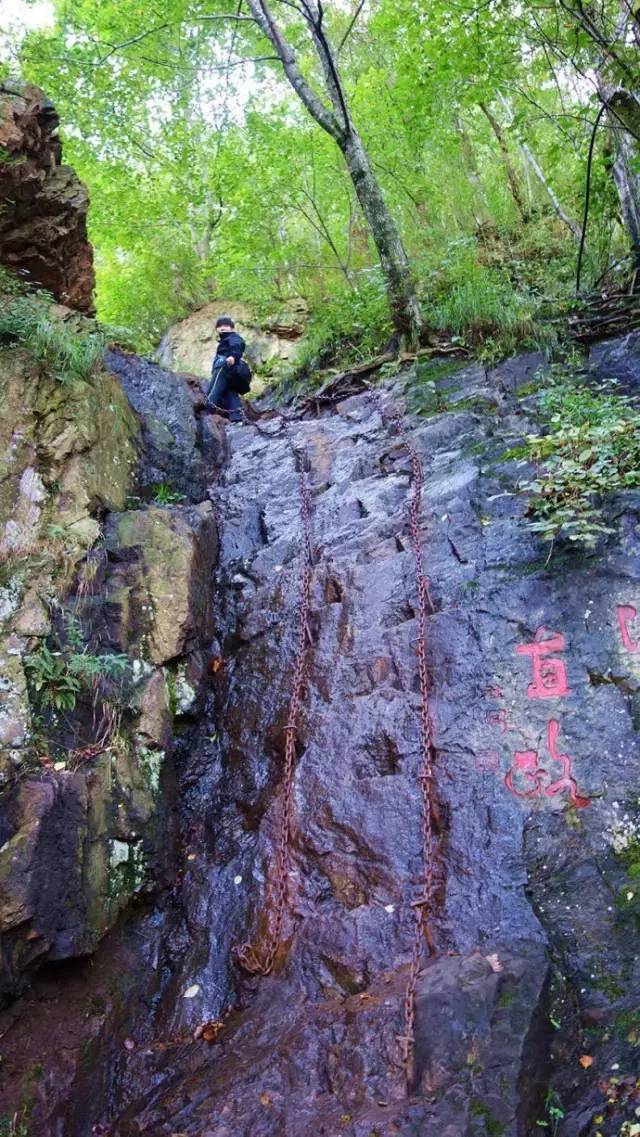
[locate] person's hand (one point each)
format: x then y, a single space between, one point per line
230 360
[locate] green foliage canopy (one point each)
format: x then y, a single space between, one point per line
207 177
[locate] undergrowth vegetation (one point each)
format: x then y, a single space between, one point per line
26 320
59 677
591 449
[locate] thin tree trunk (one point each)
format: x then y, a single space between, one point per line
405 307
512 177
337 122
623 113
530 158
480 211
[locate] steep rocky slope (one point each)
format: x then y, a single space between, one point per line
527 1013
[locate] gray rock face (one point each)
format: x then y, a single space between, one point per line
180 451
535 673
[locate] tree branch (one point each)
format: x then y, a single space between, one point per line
352 24
314 104
115 47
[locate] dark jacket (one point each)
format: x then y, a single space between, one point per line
230 343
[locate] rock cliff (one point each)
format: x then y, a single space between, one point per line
43 204
526 1015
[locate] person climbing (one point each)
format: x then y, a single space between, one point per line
230 375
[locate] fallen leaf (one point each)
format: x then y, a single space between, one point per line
129 1044
585 1061
494 962
191 856
58 766
265 1099
217 663
192 991
211 1030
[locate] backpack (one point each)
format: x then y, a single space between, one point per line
240 377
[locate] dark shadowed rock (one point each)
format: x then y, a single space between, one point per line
43 205
618 359
182 450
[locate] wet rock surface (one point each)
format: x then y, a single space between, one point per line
180 447
86 777
43 214
528 1011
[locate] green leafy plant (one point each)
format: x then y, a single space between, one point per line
51 679
554 1113
13 1125
59 677
591 449
164 495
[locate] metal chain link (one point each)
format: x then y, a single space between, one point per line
423 905
258 959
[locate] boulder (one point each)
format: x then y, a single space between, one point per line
160 585
43 205
77 846
190 345
67 450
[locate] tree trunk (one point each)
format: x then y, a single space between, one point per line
481 214
623 114
530 159
336 120
512 177
405 307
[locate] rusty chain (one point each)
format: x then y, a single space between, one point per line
259 959
423 906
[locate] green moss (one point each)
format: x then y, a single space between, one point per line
531 388
126 871
151 762
492 1126
506 998
170 677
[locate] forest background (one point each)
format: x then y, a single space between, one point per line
481 121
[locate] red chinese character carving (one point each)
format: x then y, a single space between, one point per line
498 718
626 613
489 760
549 675
534 780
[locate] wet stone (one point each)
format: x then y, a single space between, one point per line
534 675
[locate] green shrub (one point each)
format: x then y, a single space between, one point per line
164 495
350 326
592 448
